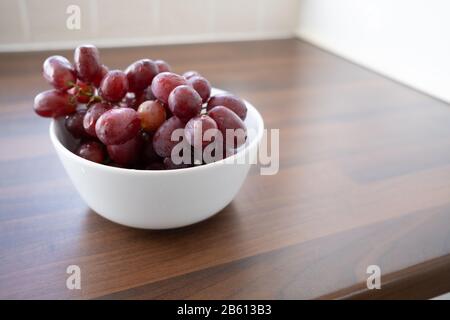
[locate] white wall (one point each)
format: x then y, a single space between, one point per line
407 40
41 24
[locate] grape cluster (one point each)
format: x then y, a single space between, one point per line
126 118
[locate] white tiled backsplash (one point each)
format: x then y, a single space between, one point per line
41 24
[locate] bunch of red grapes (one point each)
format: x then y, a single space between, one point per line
126 118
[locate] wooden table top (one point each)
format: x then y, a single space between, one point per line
364 180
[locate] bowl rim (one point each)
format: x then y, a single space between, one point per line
256 140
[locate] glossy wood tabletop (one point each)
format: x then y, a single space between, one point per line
364 180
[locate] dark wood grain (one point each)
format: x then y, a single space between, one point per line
364 179
427 279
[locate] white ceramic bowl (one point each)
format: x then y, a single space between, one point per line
158 199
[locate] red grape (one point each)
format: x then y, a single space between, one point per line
92 115
190 74
155 166
127 153
59 72
164 83
196 128
99 76
163 66
201 85
140 75
114 86
129 101
228 120
162 142
133 100
148 153
219 155
87 62
117 126
228 151
230 101
139 98
54 103
169 165
169 113
92 151
152 114
148 95
185 102
74 124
